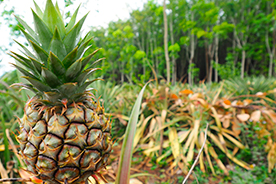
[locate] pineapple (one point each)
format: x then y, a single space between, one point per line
64 133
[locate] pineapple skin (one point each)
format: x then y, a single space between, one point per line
65 144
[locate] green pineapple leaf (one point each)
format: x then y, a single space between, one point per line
52 96
36 64
50 78
28 36
37 84
85 75
53 19
22 60
83 47
38 10
57 46
71 37
86 60
27 52
72 20
27 27
127 147
23 71
73 70
82 88
70 58
58 10
44 33
40 53
68 88
56 65
25 86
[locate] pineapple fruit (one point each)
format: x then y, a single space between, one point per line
64 133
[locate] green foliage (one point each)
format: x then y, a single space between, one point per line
139 54
249 85
227 70
194 71
123 174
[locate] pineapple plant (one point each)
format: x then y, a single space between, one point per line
64 134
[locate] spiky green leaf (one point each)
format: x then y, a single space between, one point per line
40 53
83 87
68 89
23 71
50 78
38 10
86 60
72 20
56 65
37 84
71 37
58 10
27 52
83 47
57 46
28 36
85 75
73 70
70 58
22 60
127 148
25 86
36 64
27 27
53 96
53 19
44 33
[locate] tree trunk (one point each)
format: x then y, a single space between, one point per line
207 61
270 54
131 71
122 72
243 63
192 54
216 57
274 43
174 69
156 56
166 42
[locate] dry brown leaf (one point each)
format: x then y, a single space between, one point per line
186 92
225 119
134 181
261 94
4 173
226 122
271 157
26 175
271 114
256 115
174 96
236 128
247 101
226 101
154 91
243 117
240 103
196 96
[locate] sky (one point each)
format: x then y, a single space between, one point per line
101 12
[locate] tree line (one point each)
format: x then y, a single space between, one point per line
186 40
190 40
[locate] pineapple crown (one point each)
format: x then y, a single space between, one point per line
55 68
